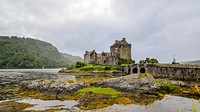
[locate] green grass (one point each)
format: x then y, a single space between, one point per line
98 90
91 67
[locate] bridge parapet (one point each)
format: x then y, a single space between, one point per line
175 66
170 71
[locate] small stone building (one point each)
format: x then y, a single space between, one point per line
90 57
119 50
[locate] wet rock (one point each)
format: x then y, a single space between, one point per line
53 86
131 83
2 97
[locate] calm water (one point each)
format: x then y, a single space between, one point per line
12 78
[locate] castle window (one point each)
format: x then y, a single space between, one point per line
116 50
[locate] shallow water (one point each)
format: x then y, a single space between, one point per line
44 104
168 104
10 79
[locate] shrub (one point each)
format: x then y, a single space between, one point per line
149 60
125 61
79 64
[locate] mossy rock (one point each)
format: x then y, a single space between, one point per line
144 75
169 87
99 90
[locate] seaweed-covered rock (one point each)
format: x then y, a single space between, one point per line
53 86
12 106
131 83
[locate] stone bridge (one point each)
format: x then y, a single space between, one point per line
171 71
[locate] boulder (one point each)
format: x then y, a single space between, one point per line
53 86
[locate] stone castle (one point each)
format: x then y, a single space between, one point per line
121 49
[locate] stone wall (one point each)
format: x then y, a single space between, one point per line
171 71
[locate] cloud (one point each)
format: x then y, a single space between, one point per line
157 28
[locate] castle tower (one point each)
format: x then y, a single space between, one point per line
121 48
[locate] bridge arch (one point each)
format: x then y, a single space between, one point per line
129 70
135 70
142 70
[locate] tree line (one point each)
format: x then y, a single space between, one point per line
16 52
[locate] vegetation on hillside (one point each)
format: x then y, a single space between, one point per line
23 52
72 58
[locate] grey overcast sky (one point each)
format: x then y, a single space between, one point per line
155 28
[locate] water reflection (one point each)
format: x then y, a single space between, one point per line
167 104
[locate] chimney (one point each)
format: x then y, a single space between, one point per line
124 39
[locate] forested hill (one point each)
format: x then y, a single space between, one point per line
72 58
18 52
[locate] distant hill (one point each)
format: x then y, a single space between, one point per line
72 58
191 62
23 52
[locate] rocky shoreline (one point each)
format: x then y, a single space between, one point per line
130 83
138 84
122 90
